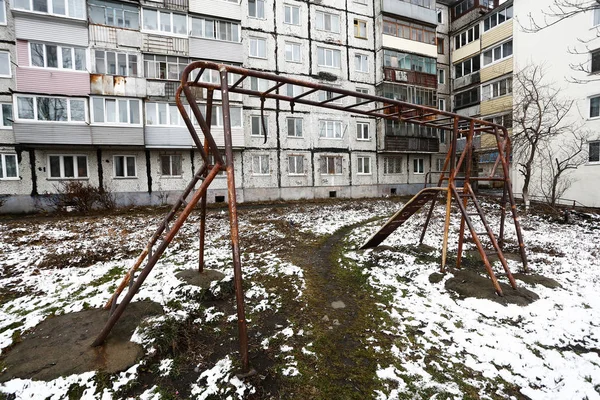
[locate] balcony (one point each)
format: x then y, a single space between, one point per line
411 11
412 144
467 80
410 77
109 85
176 5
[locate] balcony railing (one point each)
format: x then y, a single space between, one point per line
410 77
412 144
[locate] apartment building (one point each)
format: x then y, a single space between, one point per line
92 86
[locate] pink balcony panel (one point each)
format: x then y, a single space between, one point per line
56 82
23 53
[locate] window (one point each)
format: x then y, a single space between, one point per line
595 62
258 47
6 115
411 94
116 111
392 165
8 166
114 14
329 97
111 63
595 107
408 30
440 16
441 76
256 8
331 165
328 57
294 127
466 37
54 56
328 22
330 129
214 29
293 90
164 67
418 165
259 84
596 21
467 67
51 109
5 70
363 91
164 114
170 165
496 89
257 126
292 52
124 166
440 45
364 165
497 18
503 51
439 164
235 115
62 166
360 29
2 12
68 8
594 152
165 22
361 63
291 14
412 62
442 136
296 165
442 104
260 164
466 98
362 131
463 7
505 120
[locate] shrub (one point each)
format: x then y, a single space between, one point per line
81 196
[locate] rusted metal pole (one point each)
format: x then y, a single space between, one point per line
434 200
233 222
452 174
202 232
155 257
461 234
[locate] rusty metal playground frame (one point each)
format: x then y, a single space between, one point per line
361 104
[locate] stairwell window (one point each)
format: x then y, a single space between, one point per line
6 117
595 107
55 56
256 9
258 47
594 152
595 67
170 165
418 165
9 166
328 22
67 166
392 165
364 165
328 57
260 164
5 70
296 165
330 165
124 166
114 14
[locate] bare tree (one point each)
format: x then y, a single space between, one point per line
559 158
539 116
558 11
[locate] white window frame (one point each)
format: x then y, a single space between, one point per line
593 142
155 112
336 126
397 162
440 15
170 172
332 52
493 52
441 76
462 39
59 57
324 95
154 61
293 90
62 166
35 109
262 159
260 132
496 16
291 9
125 172
158 23
117 101
3 169
321 21
363 165
324 160
128 62
293 47
363 91
50 6
257 9
294 121
362 131
491 91
119 12
256 40
12 115
361 63
418 166
3 13
293 159
216 29
442 104
596 17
